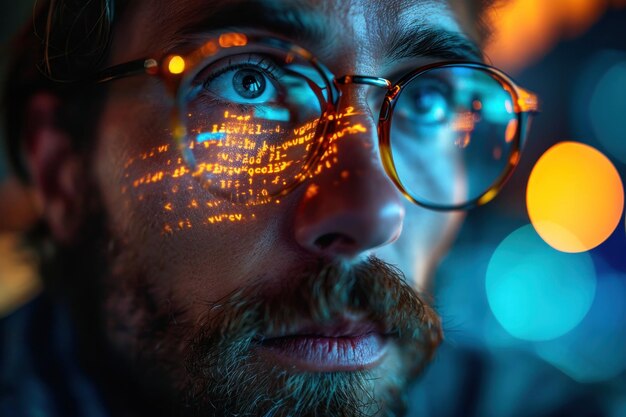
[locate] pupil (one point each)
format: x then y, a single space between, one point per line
249 83
431 105
425 101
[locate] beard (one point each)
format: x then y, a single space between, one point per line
209 366
156 360
225 377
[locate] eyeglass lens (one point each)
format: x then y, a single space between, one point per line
453 130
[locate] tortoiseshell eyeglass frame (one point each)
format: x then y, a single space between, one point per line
171 69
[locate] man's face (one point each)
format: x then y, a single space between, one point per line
285 307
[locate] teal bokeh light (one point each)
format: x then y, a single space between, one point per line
596 349
606 110
598 102
536 292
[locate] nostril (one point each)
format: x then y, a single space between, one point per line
334 239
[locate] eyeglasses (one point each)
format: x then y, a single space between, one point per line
255 116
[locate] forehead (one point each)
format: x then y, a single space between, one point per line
370 28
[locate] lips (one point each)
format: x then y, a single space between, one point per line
343 345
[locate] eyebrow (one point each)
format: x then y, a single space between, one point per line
305 26
434 43
293 21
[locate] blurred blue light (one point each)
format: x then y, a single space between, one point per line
598 100
536 292
203 137
596 349
606 110
278 114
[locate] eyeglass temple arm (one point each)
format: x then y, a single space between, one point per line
527 101
128 69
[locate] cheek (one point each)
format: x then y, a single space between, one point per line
426 236
186 243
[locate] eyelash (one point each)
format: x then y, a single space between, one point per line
270 69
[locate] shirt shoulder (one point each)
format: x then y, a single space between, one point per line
39 373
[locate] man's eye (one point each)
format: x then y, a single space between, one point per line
426 103
431 106
249 84
243 83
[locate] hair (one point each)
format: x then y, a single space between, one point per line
66 41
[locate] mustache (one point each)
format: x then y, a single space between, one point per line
374 290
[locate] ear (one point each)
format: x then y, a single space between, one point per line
55 168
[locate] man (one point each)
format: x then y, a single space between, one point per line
223 233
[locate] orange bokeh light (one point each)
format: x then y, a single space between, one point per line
511 130
176 65
524 30
575 197
228 40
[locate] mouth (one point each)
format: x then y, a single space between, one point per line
342 346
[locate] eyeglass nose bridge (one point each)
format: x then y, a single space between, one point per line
364 79
384 83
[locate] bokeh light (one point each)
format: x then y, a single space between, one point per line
596 349
535 292
525 30
606 110
574 197
176 65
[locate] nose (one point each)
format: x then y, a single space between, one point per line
350 205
